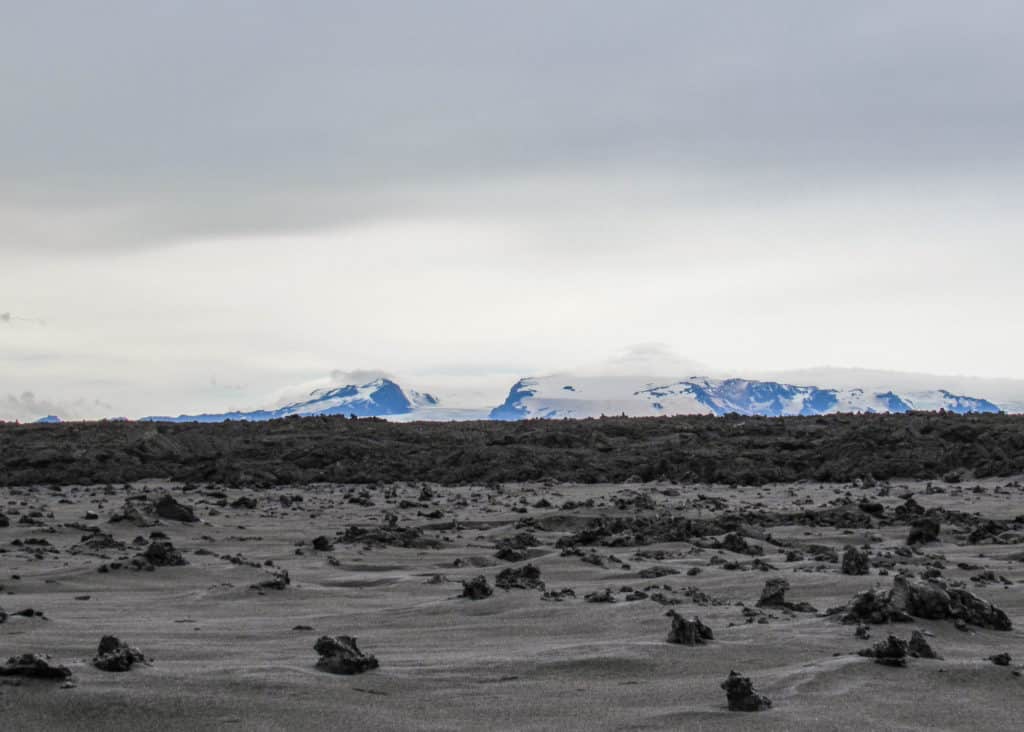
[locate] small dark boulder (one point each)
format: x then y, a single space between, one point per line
688 632
923 531
244 502
741 695
918 647
322 544
476 588
116 655
890 652
168 508
131 513
733 542
872 507
1000 659
278 579
605 595
340 655
774 595
855 561
163 554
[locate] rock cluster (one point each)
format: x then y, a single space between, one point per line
526 577
34 665
340 655
922 599
476 588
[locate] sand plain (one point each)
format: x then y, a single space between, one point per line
227 656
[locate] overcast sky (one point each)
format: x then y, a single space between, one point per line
205 203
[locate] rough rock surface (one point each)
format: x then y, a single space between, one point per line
924 530
161 553
277 580
132 513
526 577
688 632
340 655
923 599
890 652
476 588
34 665
918 646
114 654
855 561
167 507
741 696
774 595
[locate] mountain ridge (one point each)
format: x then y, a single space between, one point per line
558 397
572 396
380 397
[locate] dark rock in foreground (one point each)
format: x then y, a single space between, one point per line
918 647
476 588
774 595
168 508
855 561
34 665
340 655
163 554
924 530
409 537
742 697
278 580
523 578
922 599
133 514
116 655
890 652
688 632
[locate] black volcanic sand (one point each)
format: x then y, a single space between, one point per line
222 654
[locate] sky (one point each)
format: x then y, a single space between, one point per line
209 205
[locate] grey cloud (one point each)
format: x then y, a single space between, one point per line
359 376
650 359
163 120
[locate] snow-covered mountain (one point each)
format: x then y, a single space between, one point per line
581 396
378 398
556 397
